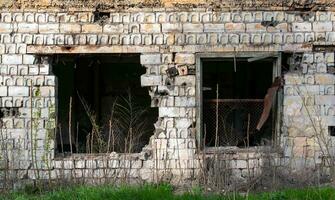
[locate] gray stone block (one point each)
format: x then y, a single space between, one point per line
151 59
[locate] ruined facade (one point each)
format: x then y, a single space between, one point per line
173 39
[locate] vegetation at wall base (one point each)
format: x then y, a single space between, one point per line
161 192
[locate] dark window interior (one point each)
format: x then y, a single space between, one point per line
108 104
331 130
235 93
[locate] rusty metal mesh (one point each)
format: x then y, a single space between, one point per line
232 120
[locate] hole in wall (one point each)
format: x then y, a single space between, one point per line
110 111
101 17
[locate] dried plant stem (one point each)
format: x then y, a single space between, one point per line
92 141
88 143
109 135
204 167
70 123
31 122
113 140
235 59
217 116
318 134
216 161
4 147
77 139
130 140
32 142
248 130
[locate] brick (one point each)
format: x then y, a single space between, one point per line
18 91
91 164
80 164
183 123
321 67
6 28
325 79
241 164
185 58
151 80
255 27
185 80
3 91
48 28
113 28
12 59
70 28
215 28
28 59
68 164
306 90
150 28
2 49
47 91
282 27
50 80
33 70
27 28
329 57
172 27
325 100
322 26
322 16
293 79
91 28
193 28
235 27
330 37
168 112
301 27
113 164
151 59
6 17
44 69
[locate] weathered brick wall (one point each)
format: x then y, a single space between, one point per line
309 110
166 38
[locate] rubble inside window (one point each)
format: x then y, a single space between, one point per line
101 104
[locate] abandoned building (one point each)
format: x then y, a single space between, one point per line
163 90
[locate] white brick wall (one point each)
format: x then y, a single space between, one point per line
174 38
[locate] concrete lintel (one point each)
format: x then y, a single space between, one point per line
74 49
242 48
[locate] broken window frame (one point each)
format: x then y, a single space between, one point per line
253 56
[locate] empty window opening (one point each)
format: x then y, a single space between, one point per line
233 100
101 104
331 130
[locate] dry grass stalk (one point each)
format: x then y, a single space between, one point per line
77 137
70 125
61 138
109 135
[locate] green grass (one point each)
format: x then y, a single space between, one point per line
162 192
